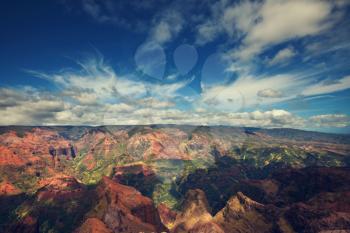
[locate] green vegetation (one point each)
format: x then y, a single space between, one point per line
90 168
103 167
168 172
164 193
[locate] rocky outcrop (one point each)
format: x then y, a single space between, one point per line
195 216
158 144
242 214
57 206
299 185
167 215
138 175
93 225
8 189
324 212
59 187
10 158
217 182
140 169
69 151
28 224
99 142
36 153
206 227
61 203
124 209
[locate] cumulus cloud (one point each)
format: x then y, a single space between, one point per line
273 118
9 98
37 108
330 120
31 112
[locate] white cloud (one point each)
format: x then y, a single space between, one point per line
240 17
328 86
282 56
261 24
270 93
273 118
155 103
252 92
207 32
95 94
97 82
330 120
94 78
44 109
31 112
281 20
245 91
167 27
162 32
226 19
9 97
92 94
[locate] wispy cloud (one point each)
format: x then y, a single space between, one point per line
246 90
282 56
280 21
254 91
327 86
167 28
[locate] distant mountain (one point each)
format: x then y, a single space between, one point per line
301 135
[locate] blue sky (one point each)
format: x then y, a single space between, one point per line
269 63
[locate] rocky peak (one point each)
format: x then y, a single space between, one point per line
135 169
195 203
93 225
125 209
195 215
167 215
242 214
59 187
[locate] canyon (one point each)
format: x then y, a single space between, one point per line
173 178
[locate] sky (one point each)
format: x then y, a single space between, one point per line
271 64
